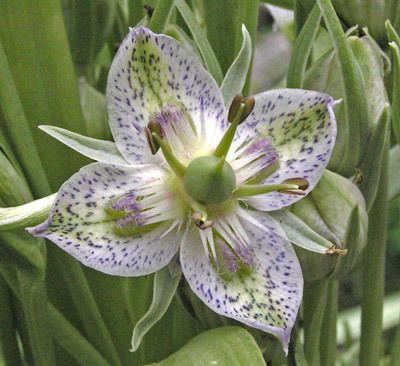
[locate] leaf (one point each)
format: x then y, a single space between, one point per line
394 172
354 95
302 49
165 285
299 233
100 150
235 77
88 24
29 214
200 38
372 162
72 341
227 346
396 90
160 15
94 110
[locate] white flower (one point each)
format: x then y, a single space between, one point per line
202 193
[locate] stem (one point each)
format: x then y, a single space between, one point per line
314 302
226 141
373 279
249 9
160 15
173 162
255 189
328 330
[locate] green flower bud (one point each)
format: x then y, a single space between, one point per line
369 13
335 210
324 75
209 179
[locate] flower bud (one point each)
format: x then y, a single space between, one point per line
368 13
209 179
335 210
325 75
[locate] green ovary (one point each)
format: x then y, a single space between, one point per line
209 180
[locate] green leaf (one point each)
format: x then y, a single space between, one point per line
391 33
18 128
165 285
89 24
394 172
29 214
299 233
302 49
201 40
14 190
354 95
396 90
372 162
235 77
227 346
99 150
72 341
35 42
94 110
160 15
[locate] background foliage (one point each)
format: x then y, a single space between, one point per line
54 59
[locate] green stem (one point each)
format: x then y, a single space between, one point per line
71 340
226 141
314 302
249 9
373 279
8 336
328 330
160 15
249 190
173 162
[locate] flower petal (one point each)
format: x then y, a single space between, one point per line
79 224
149 71
268 298
302 127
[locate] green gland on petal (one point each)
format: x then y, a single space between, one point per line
209 180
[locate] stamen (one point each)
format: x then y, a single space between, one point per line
249 190
255 161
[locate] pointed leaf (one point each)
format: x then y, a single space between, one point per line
25 215
394 172
227 346
201 40
300 234
165 285
354 94
372 162
396 90
100 150
302 49
235 77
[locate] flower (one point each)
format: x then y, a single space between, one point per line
198 179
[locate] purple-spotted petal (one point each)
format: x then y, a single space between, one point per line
302 128
148 72
268 298
79 223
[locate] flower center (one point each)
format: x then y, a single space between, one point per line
209 180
